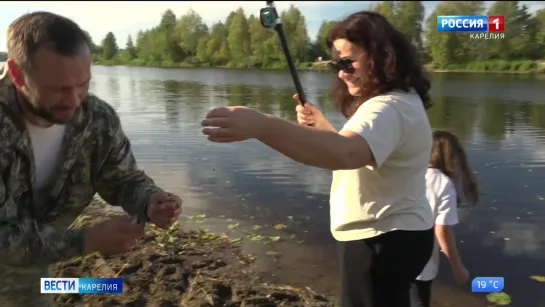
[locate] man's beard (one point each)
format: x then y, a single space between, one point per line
40 112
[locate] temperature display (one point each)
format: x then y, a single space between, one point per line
487 284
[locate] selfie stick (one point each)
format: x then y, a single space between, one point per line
270 19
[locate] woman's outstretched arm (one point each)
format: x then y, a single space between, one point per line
368 138
316 147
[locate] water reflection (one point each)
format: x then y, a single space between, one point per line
512 87
500 119
534 114
172 98
453 114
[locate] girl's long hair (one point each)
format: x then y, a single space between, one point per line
449 157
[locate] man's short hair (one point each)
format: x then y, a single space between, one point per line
33 31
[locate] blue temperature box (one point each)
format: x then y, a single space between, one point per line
487 284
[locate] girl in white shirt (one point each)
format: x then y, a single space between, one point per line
450 182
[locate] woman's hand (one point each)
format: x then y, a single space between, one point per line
309 114
461 275
233 124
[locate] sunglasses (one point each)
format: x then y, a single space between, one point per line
344 64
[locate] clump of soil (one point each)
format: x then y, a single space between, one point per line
173 268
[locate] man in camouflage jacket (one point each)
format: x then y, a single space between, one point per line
95 157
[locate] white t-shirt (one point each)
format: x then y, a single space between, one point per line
442 196
369 201
47 148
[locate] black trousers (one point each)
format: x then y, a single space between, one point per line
421 293
378 272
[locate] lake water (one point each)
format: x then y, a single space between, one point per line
243 186
500 118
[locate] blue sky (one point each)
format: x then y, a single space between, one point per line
124 18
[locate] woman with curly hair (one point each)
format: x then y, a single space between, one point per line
379 211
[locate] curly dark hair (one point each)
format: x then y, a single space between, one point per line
392 61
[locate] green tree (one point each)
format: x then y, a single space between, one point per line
168 21
152 47
202 53
140 41
238 38
171 51
321 39
387 9
409 19
229 19
518 43
452 47
406 16
258 35
217 46
130 49
189 30
296 33
540 33
109 46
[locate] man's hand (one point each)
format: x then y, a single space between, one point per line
164 209
114 236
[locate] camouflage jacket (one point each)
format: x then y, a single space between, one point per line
97 159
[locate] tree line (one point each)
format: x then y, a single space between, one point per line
240 41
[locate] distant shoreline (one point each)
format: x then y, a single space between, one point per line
494 67
506 72
539 68
517 67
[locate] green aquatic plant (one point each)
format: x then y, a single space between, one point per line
538 278
272 253
499 298
280 226
255 237
233 226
